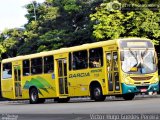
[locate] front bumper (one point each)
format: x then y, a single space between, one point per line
140 89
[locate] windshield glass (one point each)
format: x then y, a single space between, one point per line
138 61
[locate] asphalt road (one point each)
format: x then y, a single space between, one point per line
85 108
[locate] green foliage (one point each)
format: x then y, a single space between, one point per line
109 26
10 41
51 40
63 23
134 22
71 6
2 49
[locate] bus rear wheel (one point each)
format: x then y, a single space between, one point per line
129 96
96 93
33 94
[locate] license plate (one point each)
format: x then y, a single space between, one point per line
143 90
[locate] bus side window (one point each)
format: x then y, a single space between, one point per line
7 70
80 60
36 65
26 67
48 64
95 57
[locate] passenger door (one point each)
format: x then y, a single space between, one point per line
112 72
17 81
62 77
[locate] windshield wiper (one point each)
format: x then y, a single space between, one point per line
144 53
135 56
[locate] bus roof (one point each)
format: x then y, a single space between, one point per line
69 49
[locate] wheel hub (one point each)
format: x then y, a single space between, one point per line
97 92
34 96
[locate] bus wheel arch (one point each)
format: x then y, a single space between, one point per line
96 92
33 95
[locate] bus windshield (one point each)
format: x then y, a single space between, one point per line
142 61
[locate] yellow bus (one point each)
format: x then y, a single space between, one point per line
121 67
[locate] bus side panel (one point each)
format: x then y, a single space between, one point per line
80 80
45 84
7 88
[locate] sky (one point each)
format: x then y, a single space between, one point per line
12 13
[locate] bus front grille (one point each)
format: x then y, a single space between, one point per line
141 78
139 83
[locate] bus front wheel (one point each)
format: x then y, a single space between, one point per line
128 96
33 94
96 93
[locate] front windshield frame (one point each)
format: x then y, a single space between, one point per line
144 60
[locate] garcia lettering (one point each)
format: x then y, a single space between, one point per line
79 75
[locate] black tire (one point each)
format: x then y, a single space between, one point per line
33 94
159 89
96 93
129 96
62 100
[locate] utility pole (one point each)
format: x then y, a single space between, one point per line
34 7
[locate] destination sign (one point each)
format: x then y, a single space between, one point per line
137 44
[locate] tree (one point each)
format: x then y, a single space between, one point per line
126 22
64 23
118 19
10 40
59 23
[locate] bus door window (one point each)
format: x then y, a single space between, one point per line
15 74
60 75
115 61
65 76
19 75
109 70
115 67
109 65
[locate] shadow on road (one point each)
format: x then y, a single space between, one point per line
82 100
